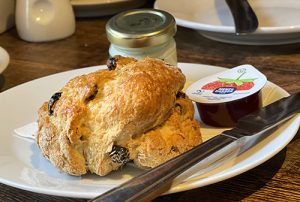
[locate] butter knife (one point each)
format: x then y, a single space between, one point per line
249 130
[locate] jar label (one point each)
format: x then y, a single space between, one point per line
233 84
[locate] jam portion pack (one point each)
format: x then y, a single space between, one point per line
225 97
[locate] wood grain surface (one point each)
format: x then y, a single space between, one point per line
278 179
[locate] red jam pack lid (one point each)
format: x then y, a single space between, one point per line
230 85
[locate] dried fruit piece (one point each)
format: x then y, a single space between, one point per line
111 63
93 94
180 95
119 155
52 101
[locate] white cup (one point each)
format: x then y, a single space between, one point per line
44 20
7 11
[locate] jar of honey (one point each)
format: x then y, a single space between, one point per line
143 32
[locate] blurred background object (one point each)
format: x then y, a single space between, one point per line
44 20
94 8
278 20
4 59
244 17
7 10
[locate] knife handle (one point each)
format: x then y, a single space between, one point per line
154 182
245 19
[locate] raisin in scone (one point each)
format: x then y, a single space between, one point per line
134 110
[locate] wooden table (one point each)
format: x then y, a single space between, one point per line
278 179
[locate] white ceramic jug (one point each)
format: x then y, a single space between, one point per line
44 20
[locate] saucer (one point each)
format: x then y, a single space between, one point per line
278 20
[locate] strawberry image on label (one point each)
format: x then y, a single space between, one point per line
238 83
227 86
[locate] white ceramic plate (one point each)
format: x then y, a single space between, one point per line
278 20
22 165
4 59
94 8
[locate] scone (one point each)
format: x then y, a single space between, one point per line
178 134
134 110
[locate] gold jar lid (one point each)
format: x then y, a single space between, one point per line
140 28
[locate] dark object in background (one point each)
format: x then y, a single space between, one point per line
245 19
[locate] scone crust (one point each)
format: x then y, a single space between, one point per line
180 133
106 108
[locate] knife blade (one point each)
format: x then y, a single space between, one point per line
152 183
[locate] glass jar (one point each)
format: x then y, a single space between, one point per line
143 32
